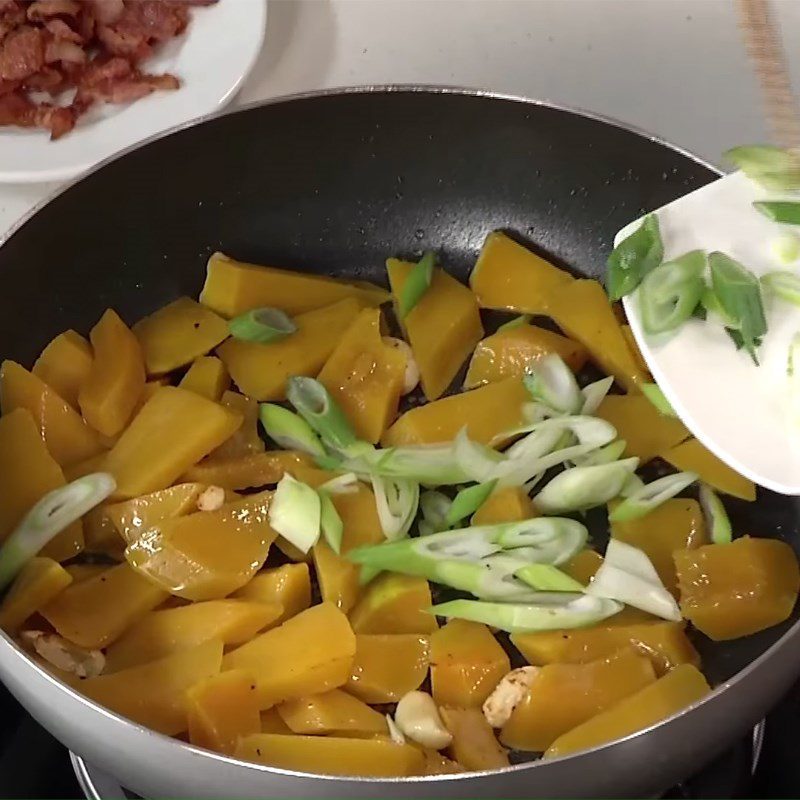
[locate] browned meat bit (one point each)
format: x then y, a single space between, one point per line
17 109
116 81
143 23
60 29
43 9
21 54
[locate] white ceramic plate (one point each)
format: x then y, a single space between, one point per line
212 59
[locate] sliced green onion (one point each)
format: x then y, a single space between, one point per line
289 430
580 488
434 507
547 578
786 248
317 407
594 394
773 168
330 522
780 211
430 465
53 513
670 293
628 576
632 485
739 294
567 612
783 284
397 501
476 460
605 455
654 394
341 484
295 513
517 322
417 283
467 502
710 303
717 521
651 495
262 325
633 258
367 574
551 381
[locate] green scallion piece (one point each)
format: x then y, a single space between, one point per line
643 500
262 325
289 430
330 522
56 511
771 167
710 304
547 578
633 258
783 284
739 294
417 283
517 322
434 506
780 210
654 394
670 293
552 382
467 502
786 248
295 513
717 521
605 455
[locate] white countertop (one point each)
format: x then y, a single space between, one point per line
675 68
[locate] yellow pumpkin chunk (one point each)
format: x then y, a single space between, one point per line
332 755
645 430
177 334
582 310
245 440
174 430
467 662
308 654
68 438
207 377
437 764
101 536
665 643
64 365
261 370
394 603
330 712
510 504
365 376
563 696
82 572
27 473
677 524
733 590
474 744
487 413
509 352
39 581
155 694
245 472
288 586
583 565
387 667
508 276
208 554
233 287
95 612
160 633
222 709
359 515
678 689
337 577
271 721
115 383
442 329
694 457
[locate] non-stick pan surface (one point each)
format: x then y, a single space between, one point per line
334 184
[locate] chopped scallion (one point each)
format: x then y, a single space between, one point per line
780 211
295 513
783 284
417 283
786 248
330 522
434 507
633 258
773 168
717 521
670 293
547 578
467 502
552 382
397 501
262 325
594 394
289 430
517 322
651 495
653 393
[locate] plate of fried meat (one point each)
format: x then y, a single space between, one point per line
82 79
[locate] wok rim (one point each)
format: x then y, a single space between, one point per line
386 89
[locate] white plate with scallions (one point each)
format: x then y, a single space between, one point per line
742 404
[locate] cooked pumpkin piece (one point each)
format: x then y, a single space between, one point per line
177 334
510 277
510 504
467 662
330 712
365 376
442 328
245 472
387 667
336 575
155 694
394 603
333 755
308 654
233 287
246 439
64 365
508 353
563 696
583 565
732 590
207 377
261 370
221 709
101 536
208 554
487 412
39 581
474 744
288 586
67 436
670 694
